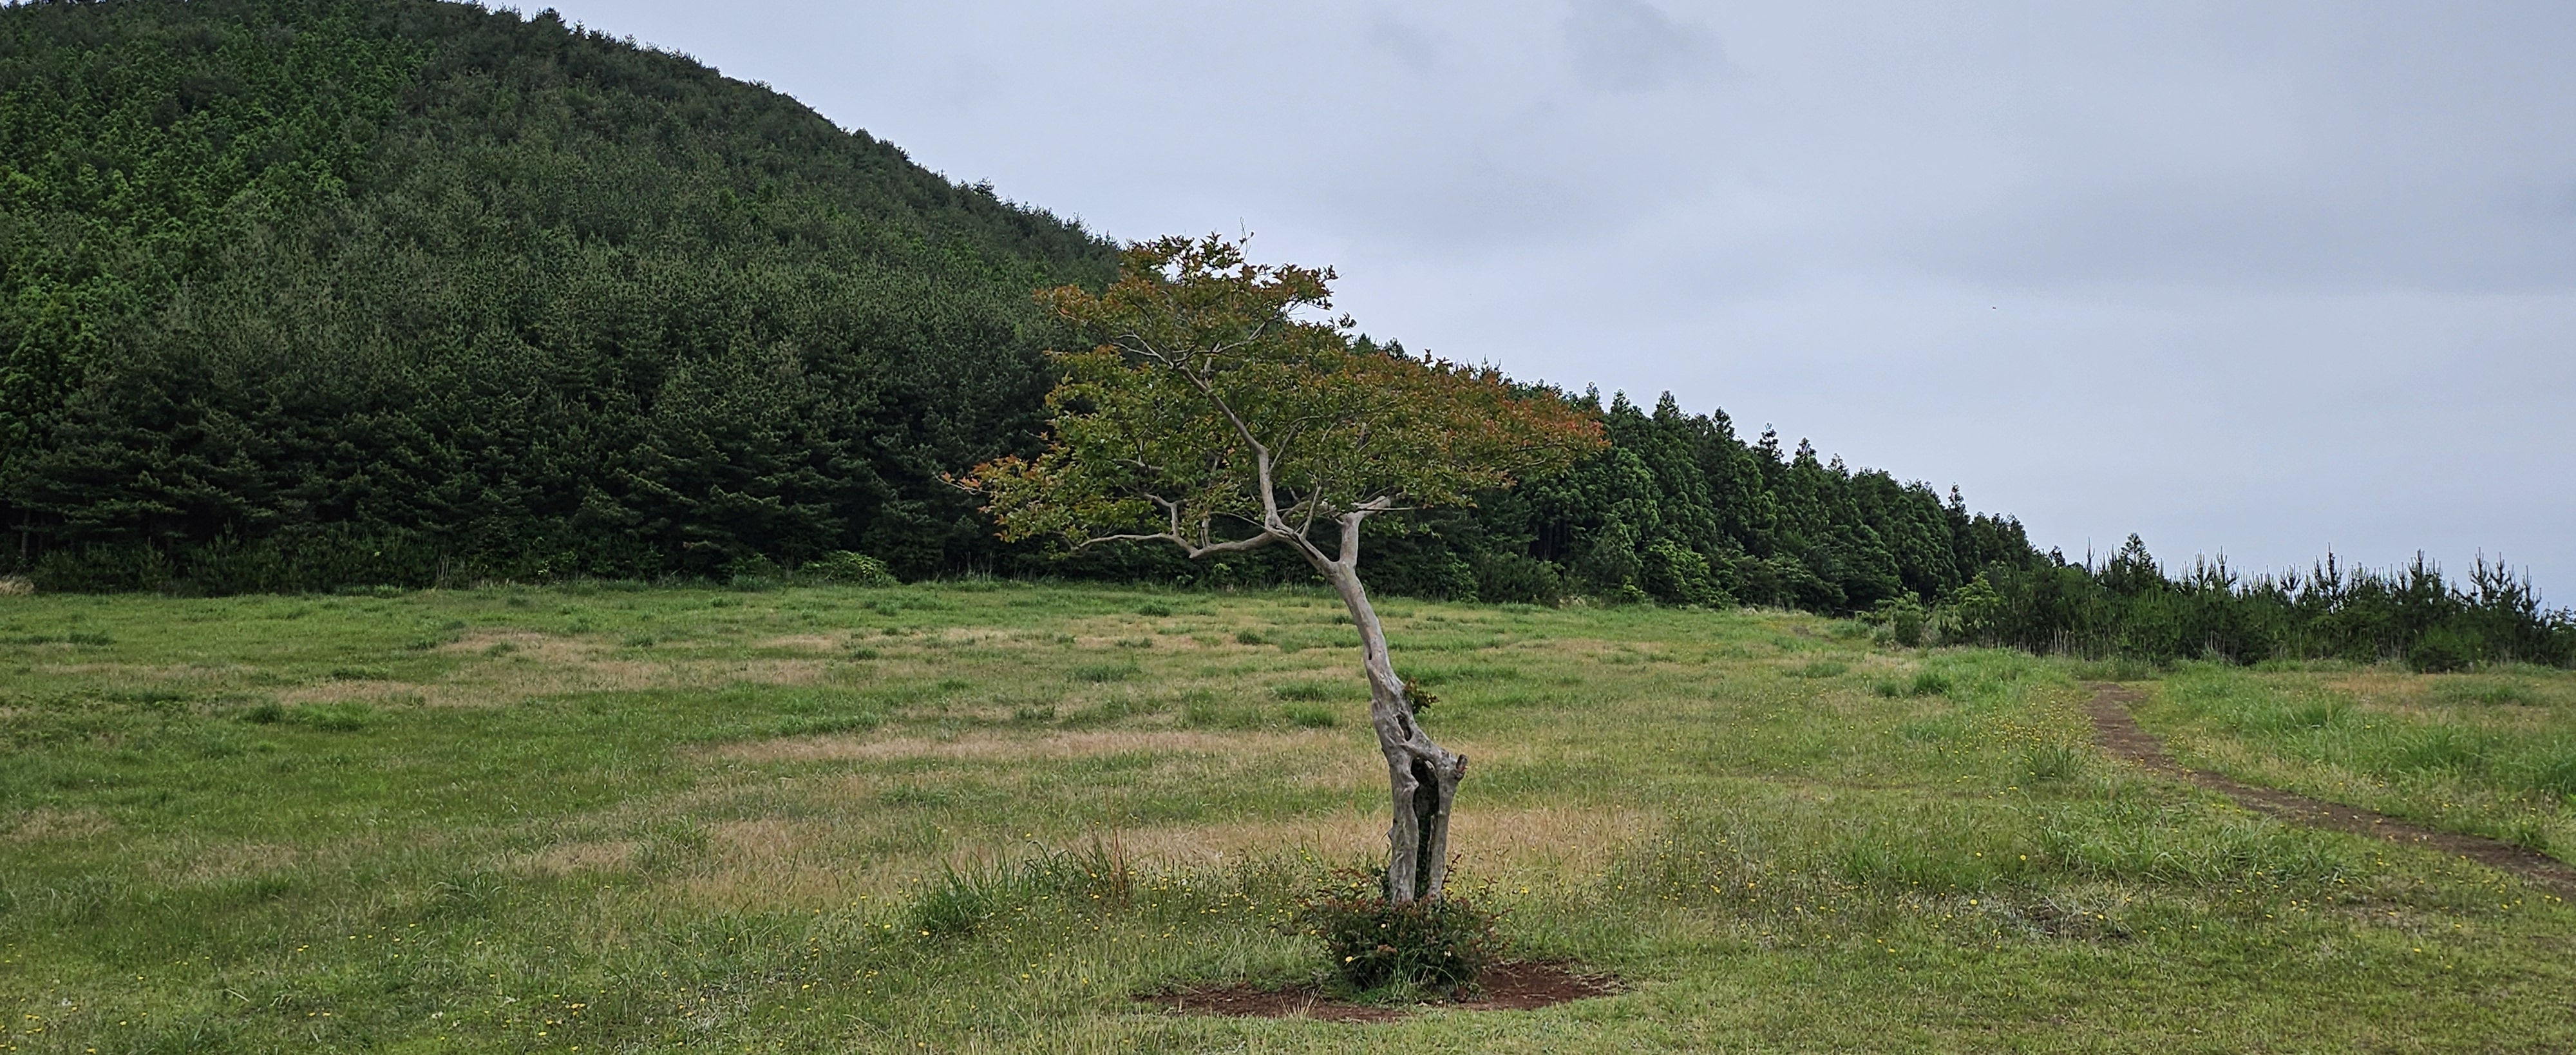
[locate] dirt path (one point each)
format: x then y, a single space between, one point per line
2119 733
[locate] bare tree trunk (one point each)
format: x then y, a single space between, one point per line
1422 775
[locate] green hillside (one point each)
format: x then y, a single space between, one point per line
301 293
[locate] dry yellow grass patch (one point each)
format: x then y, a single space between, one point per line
770 861
1004 747
47 822
122 676
1588 649
766 864
765 838
1569 838
78 669
541 665
544 648
1885 663
2378 685
1106 632
1545 838
755 671
367 692
2412 696
2483 716
224 862
806 642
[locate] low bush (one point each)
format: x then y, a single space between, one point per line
1518 578
1375 945
1902 619
2442 650
848 569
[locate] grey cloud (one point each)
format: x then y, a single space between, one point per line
1630 46
1410 44
2257 277
2232 238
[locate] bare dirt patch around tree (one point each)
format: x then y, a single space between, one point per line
1503 987
2119 733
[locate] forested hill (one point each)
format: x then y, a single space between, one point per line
302 292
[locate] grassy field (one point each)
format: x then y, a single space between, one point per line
979 816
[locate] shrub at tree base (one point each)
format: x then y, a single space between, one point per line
1376 944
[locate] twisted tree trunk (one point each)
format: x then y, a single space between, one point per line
1422 775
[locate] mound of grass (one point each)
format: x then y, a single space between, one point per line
332 717
1308 716
955 904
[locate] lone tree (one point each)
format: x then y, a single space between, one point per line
1215 415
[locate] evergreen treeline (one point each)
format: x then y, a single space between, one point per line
298 294
1676 509
2129 606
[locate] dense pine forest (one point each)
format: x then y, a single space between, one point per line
303 294
309 294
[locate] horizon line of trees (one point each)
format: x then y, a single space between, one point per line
2130 606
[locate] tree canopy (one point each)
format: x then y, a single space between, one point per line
1213 417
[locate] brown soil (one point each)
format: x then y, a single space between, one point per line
2119 733
1505 987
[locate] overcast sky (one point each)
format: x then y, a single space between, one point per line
2260 278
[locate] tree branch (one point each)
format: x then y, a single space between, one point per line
1350 557
1193 552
